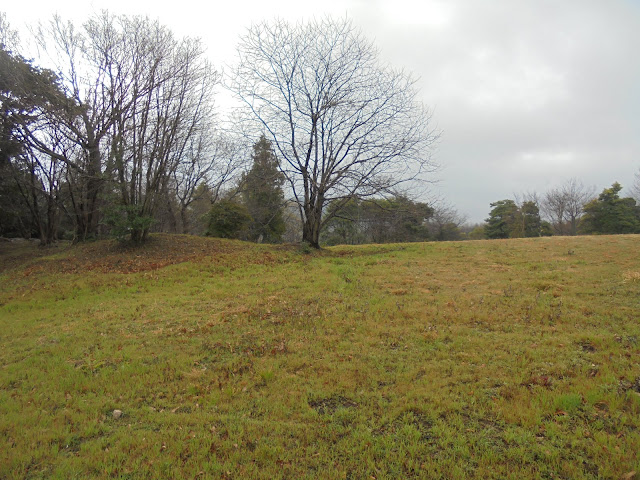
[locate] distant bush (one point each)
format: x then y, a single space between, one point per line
126 220
228 219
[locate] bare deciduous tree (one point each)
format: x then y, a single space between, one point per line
168 106
84 78
445 223
38 179
343 125
214 161
563 206
141 96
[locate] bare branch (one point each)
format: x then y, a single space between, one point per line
343 126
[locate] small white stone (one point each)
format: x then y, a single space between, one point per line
117 413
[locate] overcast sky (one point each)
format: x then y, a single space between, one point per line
527 93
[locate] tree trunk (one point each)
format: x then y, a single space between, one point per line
574 226
184 217
52 220
90 187
311 225
138 235
94 186
310 234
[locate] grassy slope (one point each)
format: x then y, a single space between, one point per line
487 359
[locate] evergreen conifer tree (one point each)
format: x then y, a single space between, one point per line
610 214
263 195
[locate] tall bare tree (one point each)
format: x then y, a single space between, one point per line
140 97
168 105
87 119
343 125
445 222
564 205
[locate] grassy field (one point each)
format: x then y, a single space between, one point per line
486 359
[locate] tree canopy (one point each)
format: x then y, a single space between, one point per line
610 214
395 219
263 195
508 220
343 125
124 128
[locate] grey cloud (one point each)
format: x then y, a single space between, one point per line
527 93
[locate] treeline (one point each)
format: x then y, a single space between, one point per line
395 219
119 137
257 210
571 209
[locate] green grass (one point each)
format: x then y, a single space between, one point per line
487 359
